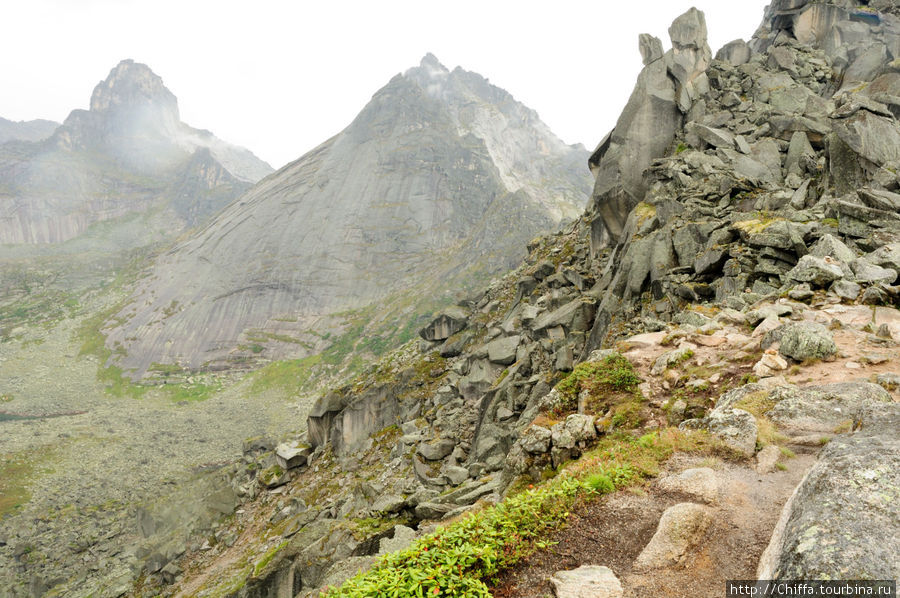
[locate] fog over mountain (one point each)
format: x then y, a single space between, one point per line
129 153
441 174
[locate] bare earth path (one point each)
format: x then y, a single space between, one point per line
612 532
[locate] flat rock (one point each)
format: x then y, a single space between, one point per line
680 529
644 341
587 581
700 484
824 408
435 451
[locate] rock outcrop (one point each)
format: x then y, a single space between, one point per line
778 152
664 92
442 177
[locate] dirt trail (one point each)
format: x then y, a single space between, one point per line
612 532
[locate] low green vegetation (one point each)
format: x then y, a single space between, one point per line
286 376
759 404
267 558
606 383
462 557
16 469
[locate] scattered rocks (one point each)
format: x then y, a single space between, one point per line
671 358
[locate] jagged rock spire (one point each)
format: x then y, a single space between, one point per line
664 91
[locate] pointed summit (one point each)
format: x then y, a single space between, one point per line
429 71
430 61
131 83
132 128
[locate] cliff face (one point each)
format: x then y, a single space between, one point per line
441 176
122 156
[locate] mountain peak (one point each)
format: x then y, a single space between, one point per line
132 83
430 61
430 70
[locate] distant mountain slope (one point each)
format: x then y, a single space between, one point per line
127 154
30 130
440 176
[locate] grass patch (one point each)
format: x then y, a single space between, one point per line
608 382
787 453
459 558
759 404
16 469
756 225
287 375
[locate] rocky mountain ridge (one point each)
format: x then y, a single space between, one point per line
31 130
751 283
441 178
128 154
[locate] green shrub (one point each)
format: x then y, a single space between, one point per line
612 375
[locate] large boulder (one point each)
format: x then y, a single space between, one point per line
843 521
445 325
680 528
806 340
820 271
735 53
872 137
503 350
886 257
825 408
737 429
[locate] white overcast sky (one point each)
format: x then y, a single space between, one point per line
281 76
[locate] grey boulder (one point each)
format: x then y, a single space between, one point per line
806 340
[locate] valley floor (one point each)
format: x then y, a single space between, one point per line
78 465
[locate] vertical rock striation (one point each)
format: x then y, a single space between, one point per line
440 177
